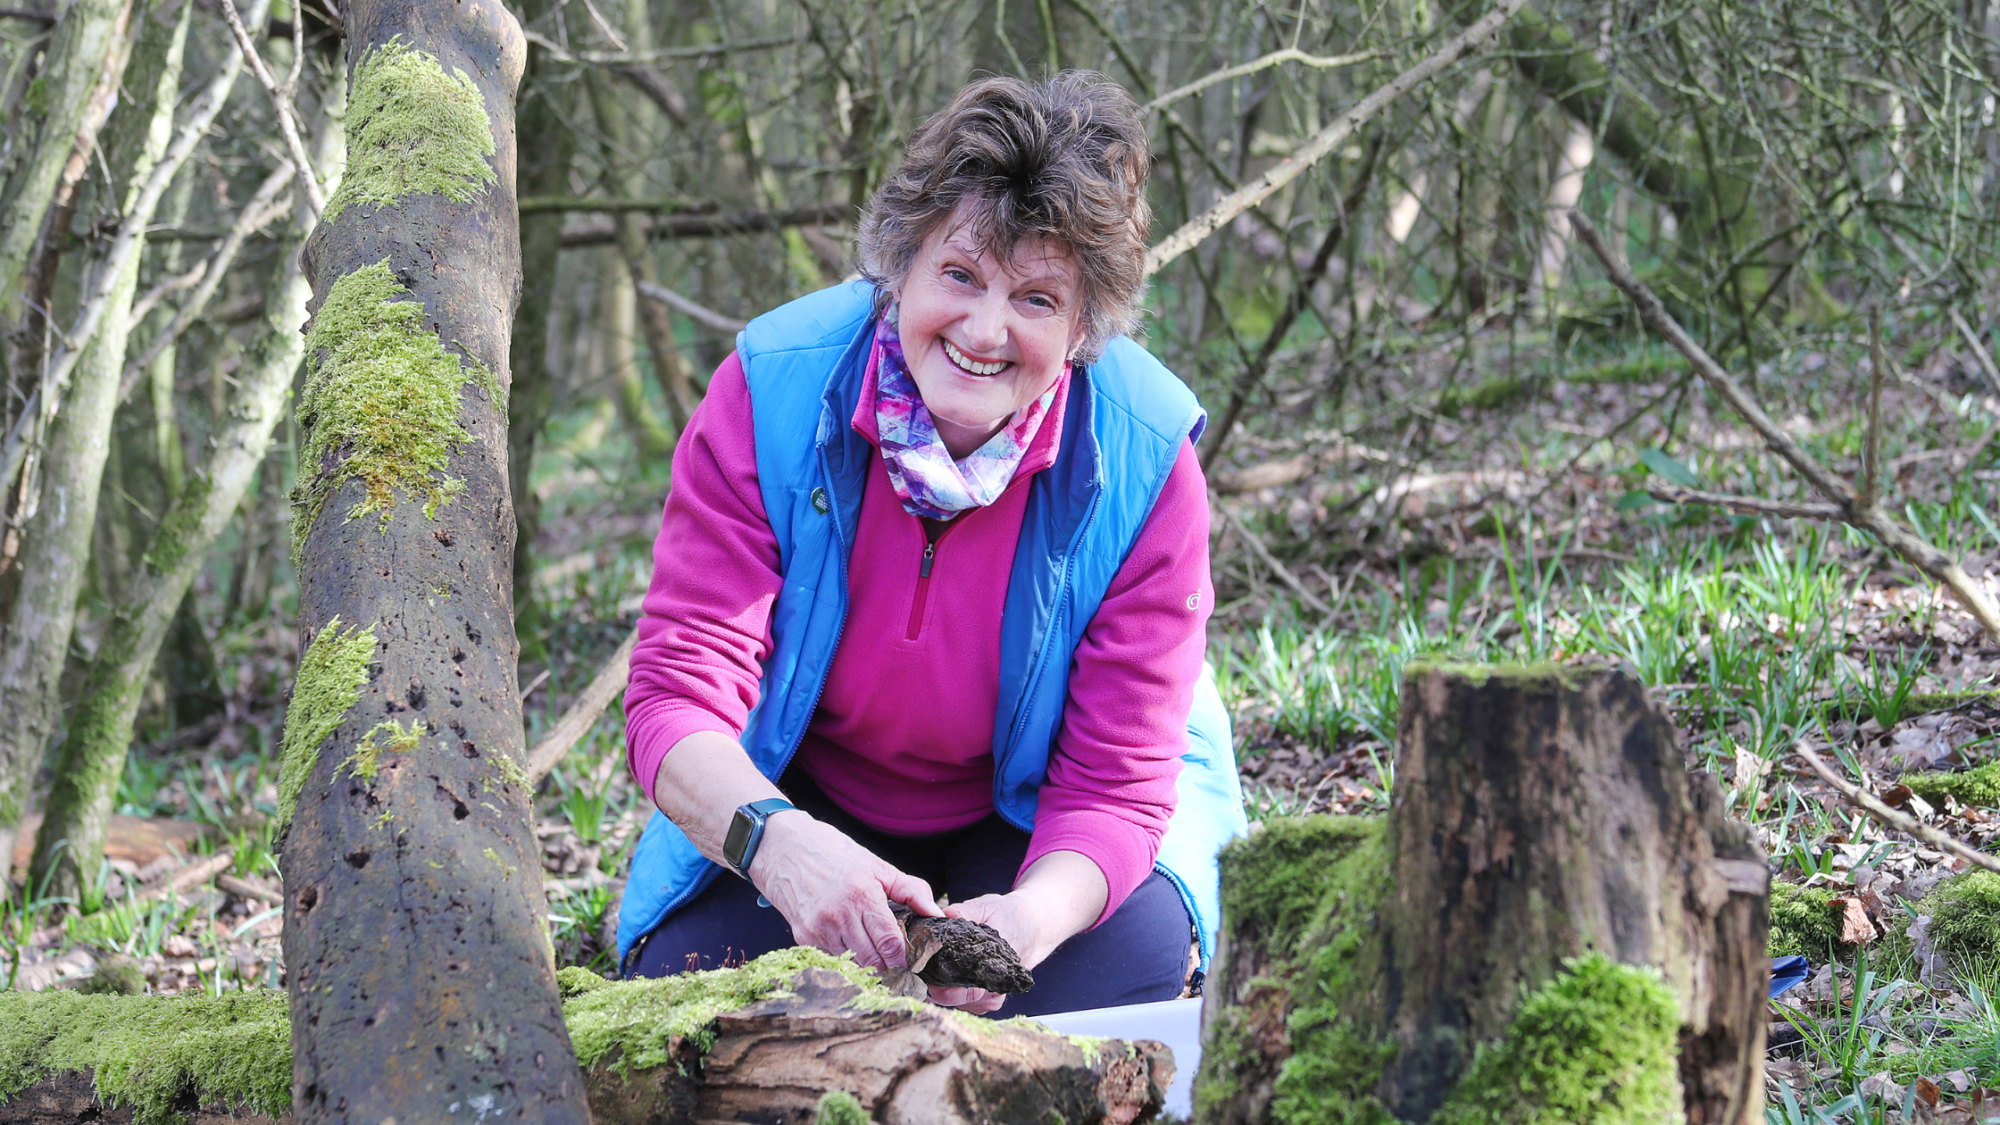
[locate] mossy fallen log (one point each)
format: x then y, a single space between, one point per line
1555 924
769 1041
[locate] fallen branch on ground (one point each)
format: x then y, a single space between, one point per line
1902 822
1257 547
1477 39
1847 505
582 714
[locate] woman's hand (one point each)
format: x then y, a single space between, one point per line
834 892
1058 897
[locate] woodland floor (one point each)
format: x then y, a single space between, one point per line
1461 531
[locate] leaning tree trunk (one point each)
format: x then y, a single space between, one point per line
92 755
422 981
1556 921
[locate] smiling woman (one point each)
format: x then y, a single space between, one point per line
930 593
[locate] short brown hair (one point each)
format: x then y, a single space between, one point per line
1063 159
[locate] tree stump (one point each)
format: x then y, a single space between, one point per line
1551 894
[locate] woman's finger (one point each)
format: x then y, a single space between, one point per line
910 891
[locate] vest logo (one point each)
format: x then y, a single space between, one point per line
820 503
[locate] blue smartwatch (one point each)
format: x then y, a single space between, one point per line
746 831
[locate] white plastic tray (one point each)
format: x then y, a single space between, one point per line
1177 1023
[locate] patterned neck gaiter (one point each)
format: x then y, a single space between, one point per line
926 478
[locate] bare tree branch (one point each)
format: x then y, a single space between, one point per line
560 53
701 313
1477 39
281 100
263 209
705 226
1979 351
1872 805
1746 505
1283 572
1848 506
1289 54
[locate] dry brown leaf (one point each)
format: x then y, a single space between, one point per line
1855 928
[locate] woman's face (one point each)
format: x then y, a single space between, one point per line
983 337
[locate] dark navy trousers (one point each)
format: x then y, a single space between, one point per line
1138 955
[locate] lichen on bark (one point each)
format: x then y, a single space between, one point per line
380 403
366 761
330 677
414 130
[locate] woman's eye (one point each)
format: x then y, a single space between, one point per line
958 275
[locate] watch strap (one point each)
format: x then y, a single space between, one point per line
755 813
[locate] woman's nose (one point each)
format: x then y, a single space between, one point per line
986 322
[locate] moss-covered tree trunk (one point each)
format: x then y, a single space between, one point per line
92 755
1555 924
422 981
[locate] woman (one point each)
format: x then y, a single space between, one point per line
928 608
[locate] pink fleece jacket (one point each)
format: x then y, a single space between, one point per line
903 735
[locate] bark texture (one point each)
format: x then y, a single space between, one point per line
422 983
1544 832
92 755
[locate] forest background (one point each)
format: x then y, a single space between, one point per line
1436 428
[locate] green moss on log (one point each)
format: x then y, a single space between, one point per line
413 130
366 761
1965 917
149 1052
1978 786
1805 921
330 677
635 1022
838 1107
380 404
1598 1045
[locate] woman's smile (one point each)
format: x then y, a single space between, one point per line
970 365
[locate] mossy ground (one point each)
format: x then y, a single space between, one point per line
146 1052
330 677
1804 922
1965 918
1978 786
413 130
380 403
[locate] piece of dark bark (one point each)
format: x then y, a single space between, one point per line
961 953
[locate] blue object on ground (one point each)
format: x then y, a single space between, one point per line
1177 1023
1788 973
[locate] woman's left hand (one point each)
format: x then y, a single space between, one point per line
1058 897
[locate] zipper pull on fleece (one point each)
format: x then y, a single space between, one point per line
930 552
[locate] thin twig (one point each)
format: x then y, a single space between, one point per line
1746 505
1289 54
263 209
1871 444
144 305
1849 508
582 714
703 226
1979 351
701 313
1477 39
281 100
1902 822
560 53
1283 573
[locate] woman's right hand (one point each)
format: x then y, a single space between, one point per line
834 892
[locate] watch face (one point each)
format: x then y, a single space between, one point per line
737 840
